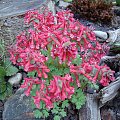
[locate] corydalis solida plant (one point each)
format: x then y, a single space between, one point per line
53 51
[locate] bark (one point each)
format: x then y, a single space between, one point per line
110 58
91 109
112 38
109 92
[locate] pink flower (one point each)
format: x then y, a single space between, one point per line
42 95
65 50
27 92
48 102
104 81
87 67
60 88
28 83
107 75
37 99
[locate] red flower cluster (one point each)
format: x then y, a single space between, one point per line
59 89
26 55
63 40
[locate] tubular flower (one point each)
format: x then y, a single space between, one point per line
28 83
107 75
94 73
28 57
60 88
67 51
41 95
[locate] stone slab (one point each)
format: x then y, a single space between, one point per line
18 107
18 7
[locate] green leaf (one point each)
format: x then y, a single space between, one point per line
57 117
55 105
96 86
41 104
68 0
78 98
11 70
74 100
63 113
5 90
2 72
31 74
66 70
50 60
54 111
20 67
37 113
1 48
7 63
34 89
65 104
44 52
78 105
78 60
46 113
33 92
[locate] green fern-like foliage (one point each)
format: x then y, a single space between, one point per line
78 98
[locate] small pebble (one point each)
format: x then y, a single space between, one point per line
15 80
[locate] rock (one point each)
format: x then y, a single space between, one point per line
19 7
15 80
1 108
63 4
18 107
100 34
12 23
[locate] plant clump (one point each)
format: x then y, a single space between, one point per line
94 10
61 59
6 70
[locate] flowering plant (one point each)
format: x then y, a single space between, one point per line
60 59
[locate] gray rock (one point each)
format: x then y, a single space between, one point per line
18 107
15 80
18 7
63 4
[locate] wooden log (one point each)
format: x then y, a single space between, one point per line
110 58
91 109
108 93
109 36
112 38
